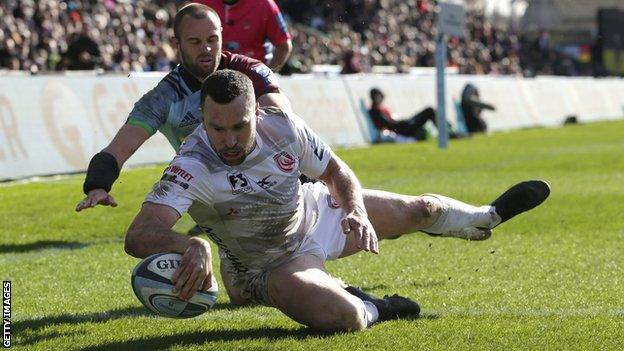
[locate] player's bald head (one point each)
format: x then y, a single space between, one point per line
197 11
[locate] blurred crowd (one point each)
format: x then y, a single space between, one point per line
54 35
359 34
133 35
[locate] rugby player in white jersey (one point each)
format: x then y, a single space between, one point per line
237 176
172 106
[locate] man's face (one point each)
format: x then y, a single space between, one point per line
199 45
231 128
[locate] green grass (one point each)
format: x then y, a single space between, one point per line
550 279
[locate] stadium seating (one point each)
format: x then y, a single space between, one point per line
134 36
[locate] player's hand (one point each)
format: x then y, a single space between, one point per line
195 271
96 197
357 222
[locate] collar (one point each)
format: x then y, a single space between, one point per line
189 79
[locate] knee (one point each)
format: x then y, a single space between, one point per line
424 210
350 318
236 299
337 314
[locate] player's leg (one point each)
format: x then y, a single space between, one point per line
233 292
393 215
303 291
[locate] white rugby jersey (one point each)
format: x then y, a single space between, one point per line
255 211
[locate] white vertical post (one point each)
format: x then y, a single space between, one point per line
450 22
440 60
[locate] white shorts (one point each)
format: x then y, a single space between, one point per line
324 240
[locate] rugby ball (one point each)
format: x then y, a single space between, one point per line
151 283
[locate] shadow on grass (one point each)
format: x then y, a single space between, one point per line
201 337
97 317
163 342
38 327
41 245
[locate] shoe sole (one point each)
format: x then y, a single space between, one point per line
520 198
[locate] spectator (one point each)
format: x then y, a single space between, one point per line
34 35
472 107
351 63
83 52
391 130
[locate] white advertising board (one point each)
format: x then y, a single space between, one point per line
54 124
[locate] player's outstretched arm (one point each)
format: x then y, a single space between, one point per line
344 186
151 232
105 166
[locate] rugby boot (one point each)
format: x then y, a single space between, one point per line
520 198
389 307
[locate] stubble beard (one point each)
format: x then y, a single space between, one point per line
194 68
245 152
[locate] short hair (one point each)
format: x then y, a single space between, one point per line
225 85
374 92
197 11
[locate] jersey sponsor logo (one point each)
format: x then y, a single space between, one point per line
285 161
239 183
266 74
281 23
233 211
188 120
179 172
317 145
235 261
161 188
173 178
266 183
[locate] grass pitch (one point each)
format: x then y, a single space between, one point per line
549 279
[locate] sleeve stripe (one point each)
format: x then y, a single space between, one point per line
183 87
135 122
173 84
